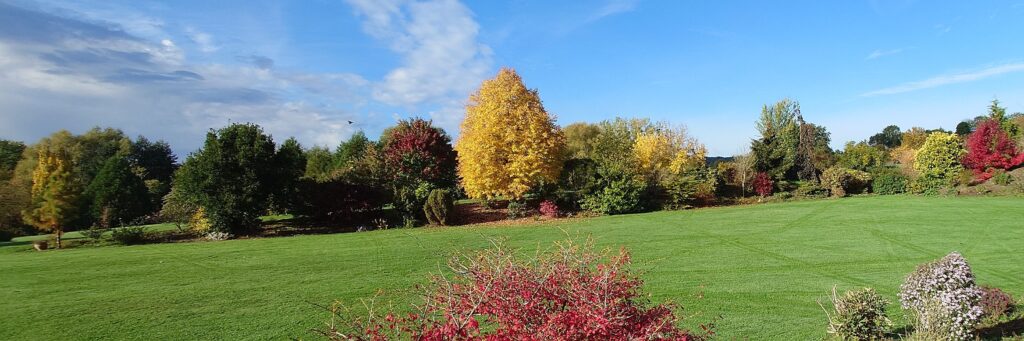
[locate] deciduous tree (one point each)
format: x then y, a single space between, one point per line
990 148
231 177
54 194
508 144
117 195
890 137
775 152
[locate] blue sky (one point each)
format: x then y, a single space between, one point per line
171 70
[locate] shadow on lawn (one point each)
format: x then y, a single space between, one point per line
1011 328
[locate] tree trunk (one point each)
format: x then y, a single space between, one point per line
59 234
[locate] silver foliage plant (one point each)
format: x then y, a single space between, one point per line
944 297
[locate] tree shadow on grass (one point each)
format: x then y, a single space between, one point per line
1009 328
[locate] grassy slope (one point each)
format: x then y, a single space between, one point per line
759 267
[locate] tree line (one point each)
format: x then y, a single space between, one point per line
509 149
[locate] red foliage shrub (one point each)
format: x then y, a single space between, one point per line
763 184
568 294
989 148
995 302
549 209
416 150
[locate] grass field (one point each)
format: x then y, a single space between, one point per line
760 268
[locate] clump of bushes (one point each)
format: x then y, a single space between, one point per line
943 297
890 183
995 303
94 233
810 189
571 293
842 181
129 235
858 315
439 208
930 185
1002 178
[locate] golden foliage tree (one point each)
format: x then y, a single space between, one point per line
667 151
54 194
508 144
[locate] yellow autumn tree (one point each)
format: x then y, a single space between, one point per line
508 143
664 151
53 194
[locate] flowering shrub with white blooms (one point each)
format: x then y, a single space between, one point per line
219 236
944 297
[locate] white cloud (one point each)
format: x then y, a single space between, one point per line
948 79
442 59
882 53
202 39
62 72
613 7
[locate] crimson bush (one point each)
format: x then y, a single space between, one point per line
571 293
990 149
763 184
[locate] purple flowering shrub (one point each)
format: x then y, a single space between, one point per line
944 298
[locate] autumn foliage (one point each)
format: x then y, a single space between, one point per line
763 184
990 148
53 193
508 143
571 293
415 150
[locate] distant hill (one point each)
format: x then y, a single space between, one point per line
714 160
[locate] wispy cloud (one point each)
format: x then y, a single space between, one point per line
77 73
947 79
613 7
202 39
882 53
442 57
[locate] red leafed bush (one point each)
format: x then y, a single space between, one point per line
416 150
571 293
989 148
549 209
995 302
763 184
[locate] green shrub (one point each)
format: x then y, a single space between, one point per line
129 235
858 315
890 183
517 210
94 233
696 186
621 195
843 181
930 185
1002 178
810 189
938 161
782 196
439 208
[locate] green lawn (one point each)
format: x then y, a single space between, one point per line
760 268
